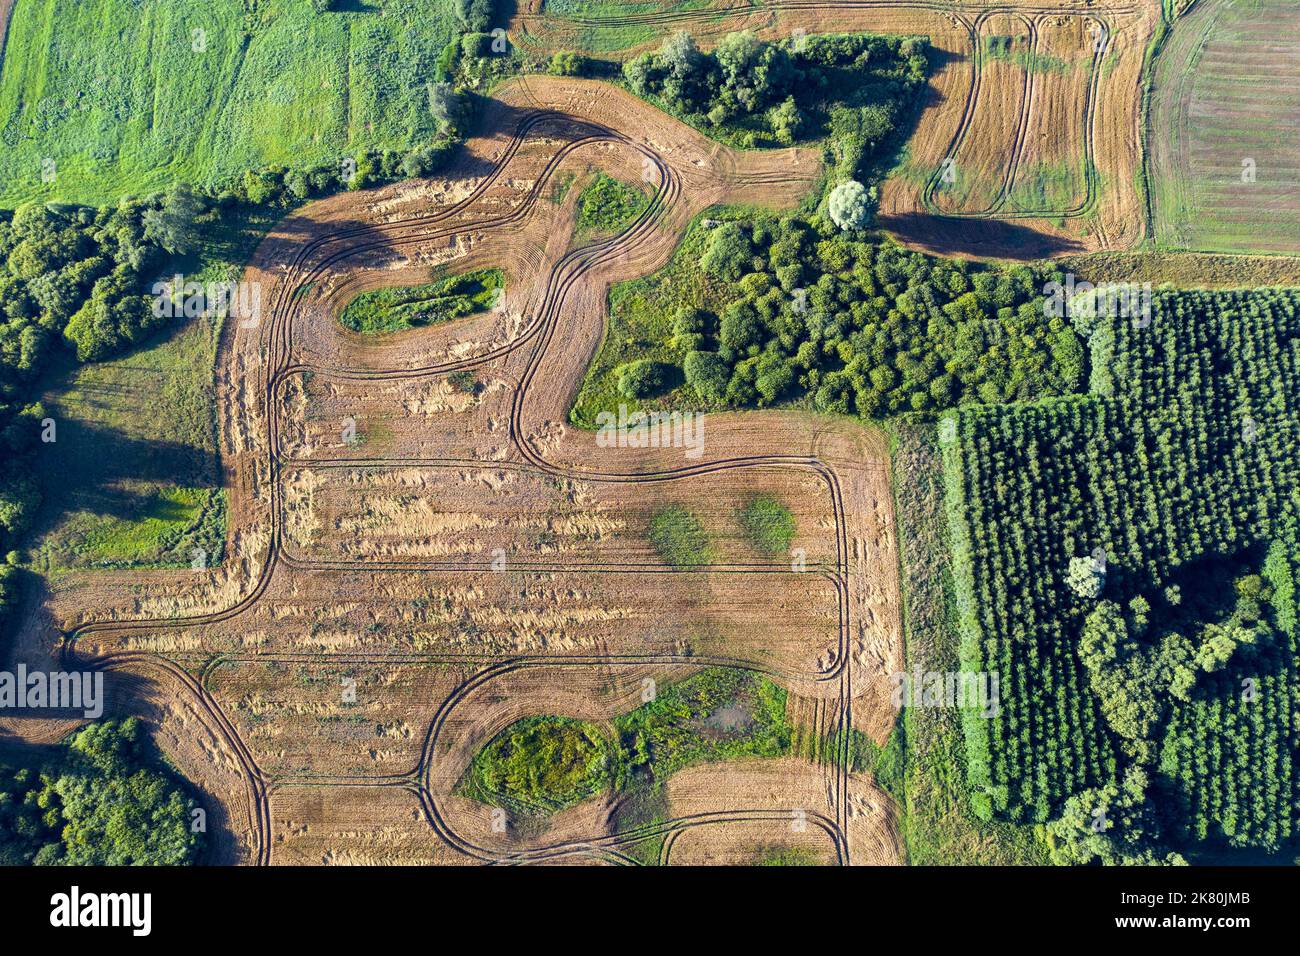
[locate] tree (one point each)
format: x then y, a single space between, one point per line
476 15
850 204
1086 577
565 63
112 317
171 224
753 73
708 374
740 328
786 121
775 375
684 71
642 378
103 801
640 73
1113 825
445 105
728 253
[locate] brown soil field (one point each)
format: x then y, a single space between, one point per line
462 516
365 565
1083 118
980 174
1050 172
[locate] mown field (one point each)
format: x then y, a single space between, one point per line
1224 129
125 97
604 28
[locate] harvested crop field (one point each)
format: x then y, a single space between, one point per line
1224 164
424 554
1027 144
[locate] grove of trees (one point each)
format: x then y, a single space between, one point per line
104 800
853 89
803 311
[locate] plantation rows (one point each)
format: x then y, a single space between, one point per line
1232 760
1183 452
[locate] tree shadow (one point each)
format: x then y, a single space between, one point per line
976 238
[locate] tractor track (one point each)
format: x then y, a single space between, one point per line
995 209
564 275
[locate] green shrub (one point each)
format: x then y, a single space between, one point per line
708 374
769 523
607 205
642 378
568 64
680 539
392 310
539 765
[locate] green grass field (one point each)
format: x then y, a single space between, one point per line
133 479
443 299
125 97
604 34
608 204
1223 159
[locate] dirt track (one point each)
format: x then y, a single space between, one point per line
240 666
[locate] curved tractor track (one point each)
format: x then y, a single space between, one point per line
1103 32
1102 209
544 116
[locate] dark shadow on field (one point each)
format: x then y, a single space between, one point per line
976 238
506 119
99 452
83 470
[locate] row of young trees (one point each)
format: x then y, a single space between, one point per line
1165 483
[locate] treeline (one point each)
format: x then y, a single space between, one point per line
1106 559
72 280
854 89
864 328
103 800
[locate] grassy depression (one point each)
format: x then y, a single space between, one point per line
392 310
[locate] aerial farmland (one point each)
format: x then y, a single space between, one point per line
649 434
